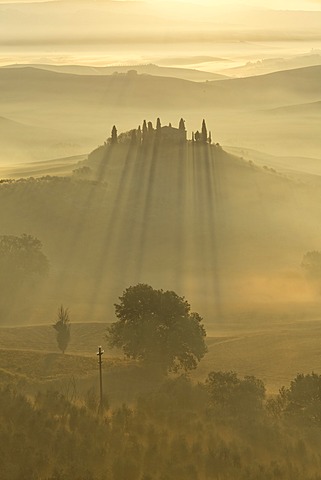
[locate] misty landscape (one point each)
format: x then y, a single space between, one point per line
160 240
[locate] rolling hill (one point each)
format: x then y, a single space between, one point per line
148 69
21 142
273 88
306 109
144 90
295 167
269 65
58 167
83 108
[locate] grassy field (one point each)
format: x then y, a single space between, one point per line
275 353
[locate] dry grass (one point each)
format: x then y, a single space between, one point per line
85 338
274 353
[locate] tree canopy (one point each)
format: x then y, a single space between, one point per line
158 328
21 257
22 265
233 394
311 263
301 401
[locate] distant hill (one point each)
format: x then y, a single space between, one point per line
290 165
269 65
149 69
21 142
152 91
59 166
273 88
83 108
10 128
313 108
190 60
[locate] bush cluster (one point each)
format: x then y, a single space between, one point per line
179 431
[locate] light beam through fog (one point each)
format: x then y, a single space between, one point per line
126 236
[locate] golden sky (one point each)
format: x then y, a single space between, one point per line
280 5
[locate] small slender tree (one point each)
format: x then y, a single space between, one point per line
158 124
114 138
150 127
204 132
144 131
139 135
182 130
181 124
62 327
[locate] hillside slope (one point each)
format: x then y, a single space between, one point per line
132 90
21 142
226 234
148 69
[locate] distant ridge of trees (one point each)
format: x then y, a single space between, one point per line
146 133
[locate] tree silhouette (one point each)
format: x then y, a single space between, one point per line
204 132
21 258
150 128
181 128
62 327
301 401
145 131
139 135
158 328
114 138
181 124
22 266
238 396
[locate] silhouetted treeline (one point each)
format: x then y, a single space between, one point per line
221 429
146 133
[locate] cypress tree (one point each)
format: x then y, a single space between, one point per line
62 327
204 132
144 131
182 130
150 127
139 135
114 138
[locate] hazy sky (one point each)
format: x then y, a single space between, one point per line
130 32
284 4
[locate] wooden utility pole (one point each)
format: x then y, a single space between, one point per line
100 353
